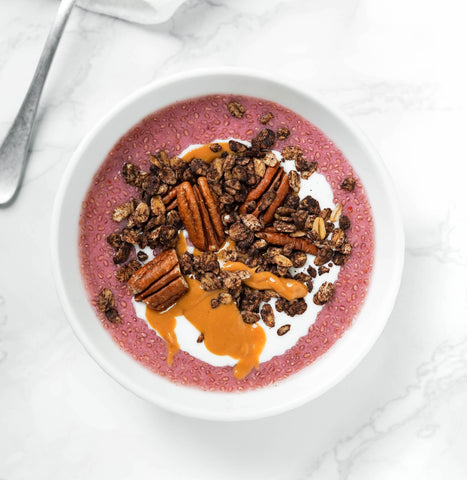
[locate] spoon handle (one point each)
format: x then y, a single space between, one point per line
14 150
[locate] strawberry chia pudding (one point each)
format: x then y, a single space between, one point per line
226 243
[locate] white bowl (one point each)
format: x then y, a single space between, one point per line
300 387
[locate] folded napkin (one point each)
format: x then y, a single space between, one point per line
138 11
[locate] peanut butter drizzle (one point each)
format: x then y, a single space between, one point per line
205 153
225 332
285 287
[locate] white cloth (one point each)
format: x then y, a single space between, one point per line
138 11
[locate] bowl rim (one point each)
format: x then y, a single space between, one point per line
397 242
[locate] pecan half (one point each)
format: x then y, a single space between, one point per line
160 282
261 188
269 194
200 215
296 243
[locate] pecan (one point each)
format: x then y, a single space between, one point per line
159 283
297 243
281 193
208 229
261 188
169 197
236 109
200 338
200 215
213 210
348 184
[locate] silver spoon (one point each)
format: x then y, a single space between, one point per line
15 147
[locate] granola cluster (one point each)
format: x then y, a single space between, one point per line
244 195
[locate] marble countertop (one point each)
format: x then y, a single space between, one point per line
397 68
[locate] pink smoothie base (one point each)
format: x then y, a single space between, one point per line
198 121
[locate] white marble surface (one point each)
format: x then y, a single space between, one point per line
398 68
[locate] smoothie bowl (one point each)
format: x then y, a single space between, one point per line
226 246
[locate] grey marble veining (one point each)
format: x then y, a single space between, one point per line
394 68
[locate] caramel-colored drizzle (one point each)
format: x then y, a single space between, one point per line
285 287
205 153
225 332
